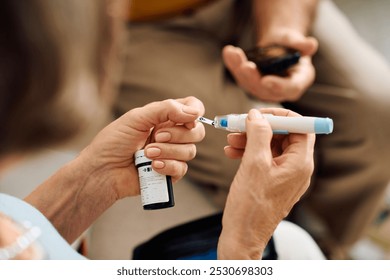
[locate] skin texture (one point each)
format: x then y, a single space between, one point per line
268 183
105 172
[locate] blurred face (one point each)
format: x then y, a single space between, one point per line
63 82
70 73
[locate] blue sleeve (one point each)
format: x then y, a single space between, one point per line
56 247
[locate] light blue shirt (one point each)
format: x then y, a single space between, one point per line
54 245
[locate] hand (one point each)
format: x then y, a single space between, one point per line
170 124
273 88
274 173
9 233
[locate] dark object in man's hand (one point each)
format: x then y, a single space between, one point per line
273 60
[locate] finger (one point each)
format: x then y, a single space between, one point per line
302 75
152 114
273 88
308 46
277 89
180 134
301 143
233 153
245 72
193 102
259 135
232 57
251 77
296 143
237 140
289 88
181 152
298 148
175 169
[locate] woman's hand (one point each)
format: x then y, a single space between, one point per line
274 173
167 130
77 194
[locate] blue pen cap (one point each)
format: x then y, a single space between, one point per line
323 125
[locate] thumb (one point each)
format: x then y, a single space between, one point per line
259 135
233 57
306 45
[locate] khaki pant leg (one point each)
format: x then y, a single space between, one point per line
353 163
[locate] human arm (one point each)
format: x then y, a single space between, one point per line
104 172
285 23
274 173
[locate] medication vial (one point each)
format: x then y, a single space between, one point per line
156 189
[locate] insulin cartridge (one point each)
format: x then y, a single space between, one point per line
279 124
156 189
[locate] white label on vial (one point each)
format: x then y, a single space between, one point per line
153 186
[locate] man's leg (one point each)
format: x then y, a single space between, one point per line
352 168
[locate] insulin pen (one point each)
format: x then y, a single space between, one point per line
279 124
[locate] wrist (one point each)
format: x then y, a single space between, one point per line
243 238
274 17
231 247
96 175
283 36
73 198
86 194
246 230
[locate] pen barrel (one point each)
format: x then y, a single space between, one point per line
303 125
279 124
291 124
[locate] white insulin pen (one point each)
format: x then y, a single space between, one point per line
279 124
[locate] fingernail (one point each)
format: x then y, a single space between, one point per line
254 114
162 137
251 64
190 110
158 164
236 59
152 152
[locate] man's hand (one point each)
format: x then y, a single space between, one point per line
273 88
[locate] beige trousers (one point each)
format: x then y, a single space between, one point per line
182 56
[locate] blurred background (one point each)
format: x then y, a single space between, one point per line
371 21
113 236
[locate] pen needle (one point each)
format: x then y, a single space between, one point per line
206 121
